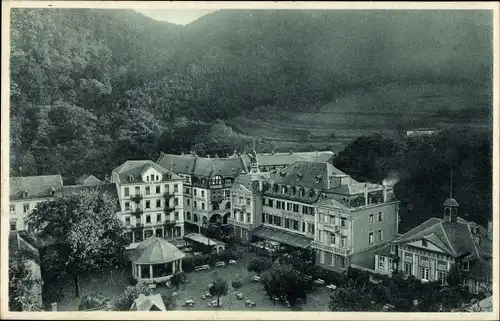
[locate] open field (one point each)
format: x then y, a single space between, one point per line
364 111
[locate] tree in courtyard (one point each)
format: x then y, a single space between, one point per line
177 279
353 296
131 293
258 265
21 297
286 282
236 285
219 288
82 233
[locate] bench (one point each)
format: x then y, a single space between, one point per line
220 264
319 282
331 286
202 267
255 278
232 262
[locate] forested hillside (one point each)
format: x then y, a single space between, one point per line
92 88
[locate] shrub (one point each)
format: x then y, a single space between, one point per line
131 281
124 301
236 285
92 302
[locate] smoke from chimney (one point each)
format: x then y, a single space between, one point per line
392 179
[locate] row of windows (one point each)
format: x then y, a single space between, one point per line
241 200
148 218
292 207
26 208
334 239
195 217
147 204
288 223
240 217
380 236
332 219
332 259
380 217
147 189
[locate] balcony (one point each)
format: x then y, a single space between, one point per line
137 212
340 251
137 198
331 228
168 195
168 209
234 222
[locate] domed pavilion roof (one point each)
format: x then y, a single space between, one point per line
451 202
155 250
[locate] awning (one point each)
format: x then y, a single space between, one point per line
282 236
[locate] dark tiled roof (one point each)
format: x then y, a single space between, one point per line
355 188
247 179
136 168
155 250
454 237
36 186
88 179
281 236
202 166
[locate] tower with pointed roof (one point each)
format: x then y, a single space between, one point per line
450 205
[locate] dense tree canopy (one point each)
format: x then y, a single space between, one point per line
21 296
82 233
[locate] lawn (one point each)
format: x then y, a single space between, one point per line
113 282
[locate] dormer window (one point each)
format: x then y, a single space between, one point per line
282 174
424 242
465 266
317 179
152 177
25 194
52 191
131 178
312 193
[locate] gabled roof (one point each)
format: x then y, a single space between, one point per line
136 168
355 188
284 159
88 179
453 237
248 179
331 203
148 303
36 186
155 250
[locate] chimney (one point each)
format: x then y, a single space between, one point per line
235 153
291 151
272 152
385 193
366 194
208 155
261 185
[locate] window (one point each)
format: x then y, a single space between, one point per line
332 239
248 202
270 202
381 262
391 264
127 206
380 235
127 191
270 219
408 268
322 257
380 217
13 225
158 189
332 261
148 204
148 218
13 208
188 190
127 221
296 208
166 188
303 227
343 241
263 217
442 277
157 178
26 207
465 266
295 225
176 216
158 203
176 188
370 238
195 217
370 218
310 228
288 206
176 201
287 223
188 201
195 204
195 192
277 220
158 217
188 215
202 193
424 274
424 242
249 218
202 206
343 221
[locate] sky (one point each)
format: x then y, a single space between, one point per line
177 16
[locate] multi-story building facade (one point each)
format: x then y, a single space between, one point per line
274 162
313 204
246 201
151 200
438 247
26 193
207 183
